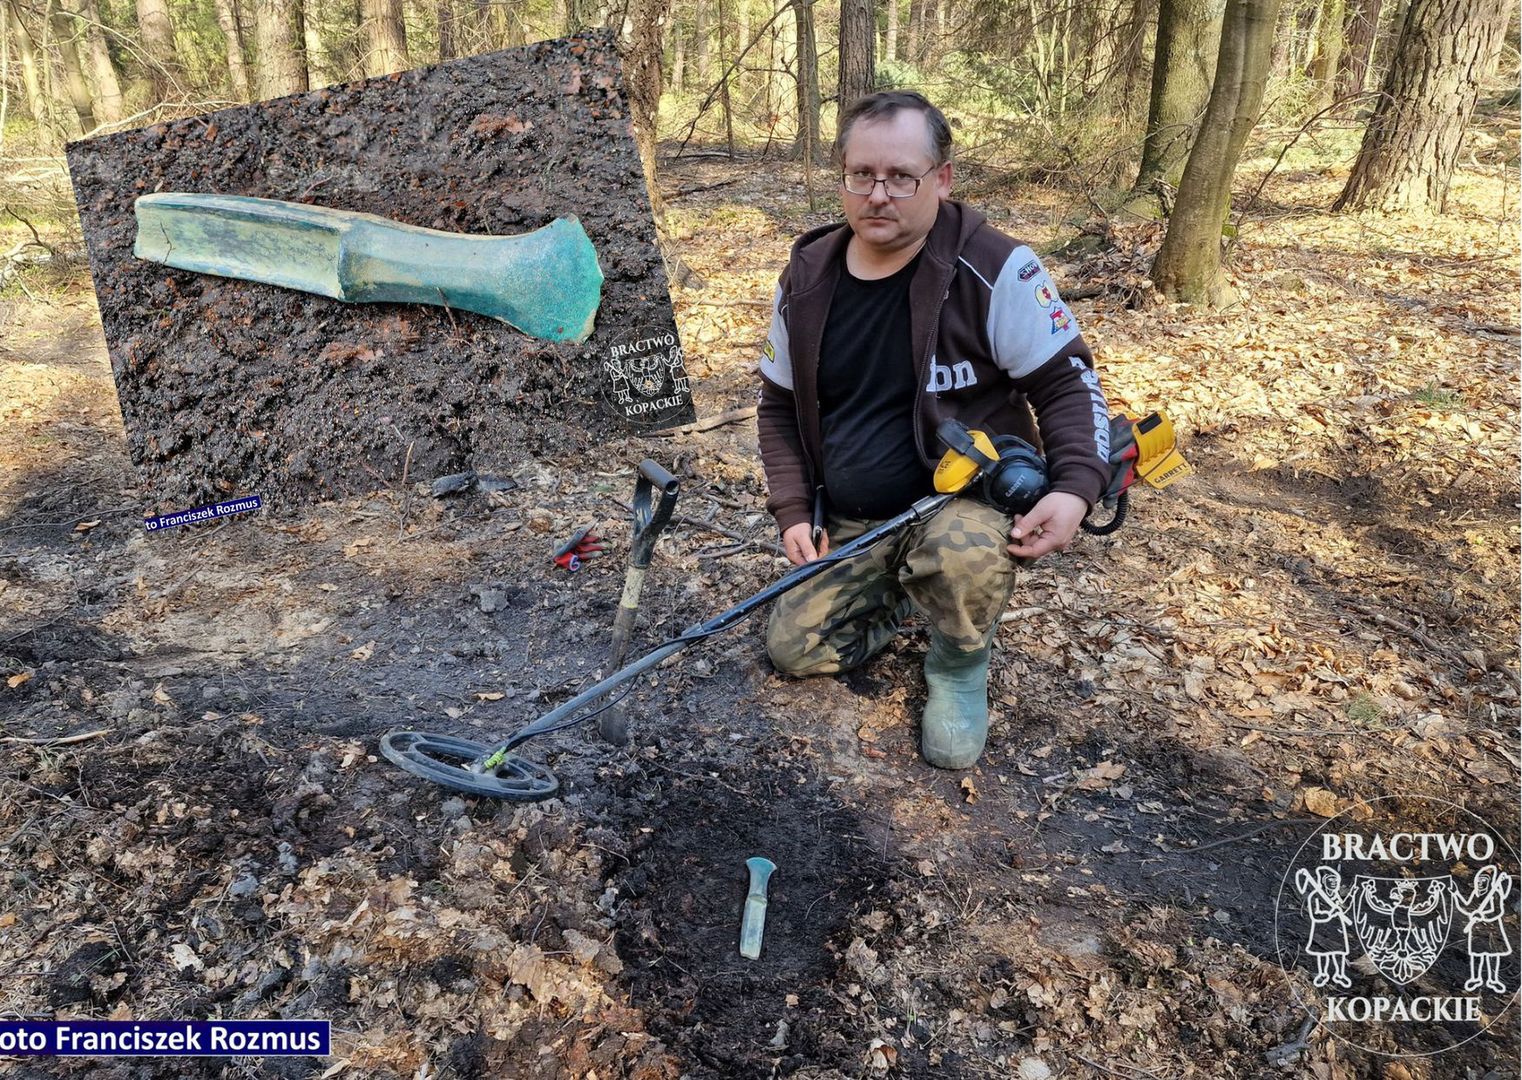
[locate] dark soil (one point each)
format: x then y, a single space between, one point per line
1097 896
233 387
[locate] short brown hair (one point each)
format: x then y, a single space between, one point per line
882 106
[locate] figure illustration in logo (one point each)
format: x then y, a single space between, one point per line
679 380
1485 907
1403 923
1328 940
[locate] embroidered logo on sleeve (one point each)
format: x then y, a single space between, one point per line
1060 320
1044 295
1030 270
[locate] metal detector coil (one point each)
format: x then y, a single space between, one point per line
459 764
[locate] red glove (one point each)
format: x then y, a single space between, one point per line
583 544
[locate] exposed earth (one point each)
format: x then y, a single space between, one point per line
1325 613
234 388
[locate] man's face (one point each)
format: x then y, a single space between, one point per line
897 146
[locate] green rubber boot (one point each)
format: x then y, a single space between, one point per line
955 724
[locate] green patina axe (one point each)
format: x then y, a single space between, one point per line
545 283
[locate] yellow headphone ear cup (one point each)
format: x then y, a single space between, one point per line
957 470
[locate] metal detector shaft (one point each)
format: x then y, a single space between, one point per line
920 511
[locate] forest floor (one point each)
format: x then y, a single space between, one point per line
1327 612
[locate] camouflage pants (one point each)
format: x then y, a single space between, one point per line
954 568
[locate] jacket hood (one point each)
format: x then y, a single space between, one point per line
815 251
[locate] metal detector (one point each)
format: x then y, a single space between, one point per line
479 769
1013 477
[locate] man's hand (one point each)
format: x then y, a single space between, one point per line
798 542
1050 525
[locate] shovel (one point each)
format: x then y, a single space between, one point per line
650 520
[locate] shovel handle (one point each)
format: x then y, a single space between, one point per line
651 518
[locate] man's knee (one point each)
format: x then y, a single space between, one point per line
791 655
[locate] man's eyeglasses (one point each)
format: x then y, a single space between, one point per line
897 187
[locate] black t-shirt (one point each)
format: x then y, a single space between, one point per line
866 398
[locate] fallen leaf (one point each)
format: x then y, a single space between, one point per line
86 526
1100 776
184 957
881 1055
364 652
490 695
1320 802
969 790
16 680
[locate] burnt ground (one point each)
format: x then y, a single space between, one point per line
1096 898
238 388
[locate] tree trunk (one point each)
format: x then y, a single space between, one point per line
1188 265
930 42
1360 32
1132 49
278 47
742 39
890 39
26 49
912 31
1446 49
157 34
784 57
858 68
384 35
700 42
232 36
724 73
808 83
678 59
448 49
64 38
1188 36
642 70
319 62
1329 45
108 88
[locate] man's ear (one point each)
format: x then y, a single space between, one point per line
943 181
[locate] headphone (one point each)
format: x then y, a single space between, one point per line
1017 480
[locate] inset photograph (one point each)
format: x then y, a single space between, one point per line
437 272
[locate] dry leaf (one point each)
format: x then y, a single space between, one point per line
1320 802
16 680
490 695
1100 776
969 790
86 526
364 652
881 1055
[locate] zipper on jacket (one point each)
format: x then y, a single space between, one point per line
919 390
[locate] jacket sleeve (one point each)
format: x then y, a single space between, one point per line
790 496
1037 343
1074 420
